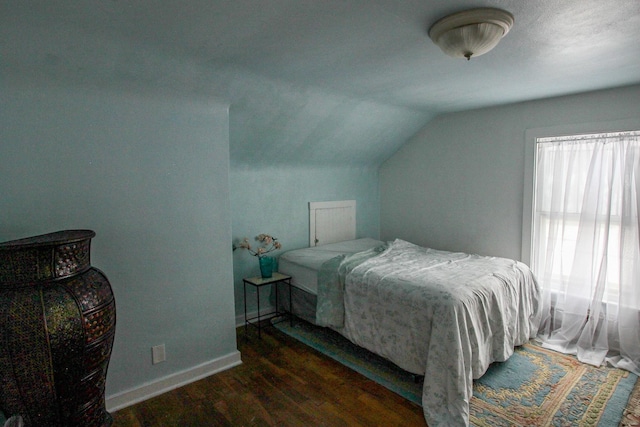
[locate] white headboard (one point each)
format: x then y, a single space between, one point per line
331 222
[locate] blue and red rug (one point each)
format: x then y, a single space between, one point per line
535 387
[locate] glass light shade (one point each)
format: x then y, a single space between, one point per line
470 40
471 33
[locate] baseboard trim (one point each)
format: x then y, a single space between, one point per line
171 382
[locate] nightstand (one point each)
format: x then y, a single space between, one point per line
257 283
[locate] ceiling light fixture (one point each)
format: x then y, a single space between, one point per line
472 32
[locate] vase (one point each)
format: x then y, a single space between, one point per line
57 325
266 267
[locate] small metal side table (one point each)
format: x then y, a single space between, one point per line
258 282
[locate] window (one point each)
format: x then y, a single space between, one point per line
581 237
580 195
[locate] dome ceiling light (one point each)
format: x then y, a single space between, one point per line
471 32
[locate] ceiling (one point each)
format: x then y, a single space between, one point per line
323 80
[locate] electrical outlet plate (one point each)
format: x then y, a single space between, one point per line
158 354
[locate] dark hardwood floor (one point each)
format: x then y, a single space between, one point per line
281 382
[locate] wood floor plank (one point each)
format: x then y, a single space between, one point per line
281 382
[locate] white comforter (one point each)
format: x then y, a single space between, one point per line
445 315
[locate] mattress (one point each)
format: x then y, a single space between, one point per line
303 264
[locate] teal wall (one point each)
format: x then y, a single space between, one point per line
150 174
458 183
156 164
274 200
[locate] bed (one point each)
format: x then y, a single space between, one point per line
444 315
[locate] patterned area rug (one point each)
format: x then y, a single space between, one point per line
535 387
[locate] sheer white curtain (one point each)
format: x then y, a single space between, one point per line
586 245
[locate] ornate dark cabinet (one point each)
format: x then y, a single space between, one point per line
57 326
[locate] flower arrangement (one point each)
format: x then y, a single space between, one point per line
269 244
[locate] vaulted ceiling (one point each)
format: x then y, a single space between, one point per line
318 82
